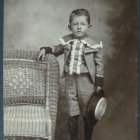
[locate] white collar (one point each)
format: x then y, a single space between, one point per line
96 46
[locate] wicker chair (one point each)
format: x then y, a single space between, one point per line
30 95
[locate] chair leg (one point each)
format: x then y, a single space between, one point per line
37 139
12 138
6 138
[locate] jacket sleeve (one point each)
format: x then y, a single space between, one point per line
98 57
58 50
55 50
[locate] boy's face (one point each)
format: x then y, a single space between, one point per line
79 26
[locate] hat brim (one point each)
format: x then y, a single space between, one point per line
100 108
96 109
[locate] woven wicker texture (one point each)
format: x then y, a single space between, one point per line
30 94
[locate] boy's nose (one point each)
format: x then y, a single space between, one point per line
79 26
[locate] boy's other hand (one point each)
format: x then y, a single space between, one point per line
99 91
41 55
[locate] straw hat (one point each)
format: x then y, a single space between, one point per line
96 108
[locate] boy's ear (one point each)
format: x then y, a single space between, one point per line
89 26
69 27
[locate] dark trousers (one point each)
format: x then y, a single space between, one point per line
73 126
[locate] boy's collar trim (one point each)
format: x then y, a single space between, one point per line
95 46
63 41
92 44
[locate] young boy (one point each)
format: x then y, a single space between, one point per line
83 68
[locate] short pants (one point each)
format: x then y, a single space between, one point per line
79 88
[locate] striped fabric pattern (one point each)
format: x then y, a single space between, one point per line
76 57
26 121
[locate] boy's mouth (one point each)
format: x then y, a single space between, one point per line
79 32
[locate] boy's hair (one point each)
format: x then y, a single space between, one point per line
80 12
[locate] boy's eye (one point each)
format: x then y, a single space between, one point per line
75 23
83 23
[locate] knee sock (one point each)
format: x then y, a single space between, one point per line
88 130
73 127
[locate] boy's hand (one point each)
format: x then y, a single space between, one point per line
41 54
43 51
99 91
